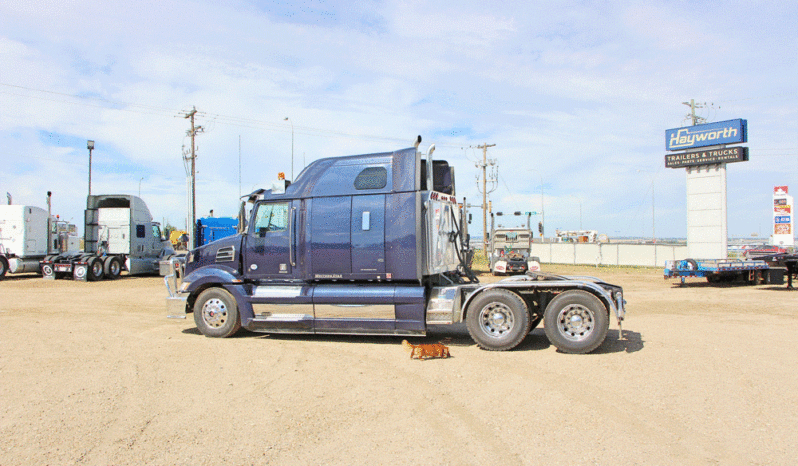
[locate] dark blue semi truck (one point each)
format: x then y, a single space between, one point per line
375 244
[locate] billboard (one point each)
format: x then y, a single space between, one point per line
782 217
706 157
709 134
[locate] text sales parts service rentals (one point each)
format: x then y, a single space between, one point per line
703 151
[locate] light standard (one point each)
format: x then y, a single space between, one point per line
542 210
653 215
140 185
90 146
292 146
580 210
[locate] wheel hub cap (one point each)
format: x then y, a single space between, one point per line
576 322
214 312
496 319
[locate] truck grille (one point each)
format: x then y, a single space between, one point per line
226 254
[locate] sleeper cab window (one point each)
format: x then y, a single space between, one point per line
271 217
372 178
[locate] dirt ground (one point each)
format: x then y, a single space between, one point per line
94 373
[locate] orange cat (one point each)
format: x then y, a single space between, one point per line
426 351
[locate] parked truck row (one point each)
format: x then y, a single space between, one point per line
119 235
375 244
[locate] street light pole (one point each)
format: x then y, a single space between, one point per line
542 210
292 147
90 146
140 185
653 214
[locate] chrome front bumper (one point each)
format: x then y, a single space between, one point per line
176 302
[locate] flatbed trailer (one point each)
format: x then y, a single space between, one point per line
723 270
786 262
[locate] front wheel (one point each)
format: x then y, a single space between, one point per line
498 320
576 322
216 313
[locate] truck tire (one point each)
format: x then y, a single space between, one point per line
498 320
216 313
112 267
3 267
95 269
576 322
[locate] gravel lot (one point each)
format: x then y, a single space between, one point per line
93 373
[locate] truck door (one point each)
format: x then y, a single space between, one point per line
271 247
368 236
156 246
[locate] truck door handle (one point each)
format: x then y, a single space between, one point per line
291 237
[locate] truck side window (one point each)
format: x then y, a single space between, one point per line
140 231
156 232
372 178
271 217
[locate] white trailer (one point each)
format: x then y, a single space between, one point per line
29 234
119 235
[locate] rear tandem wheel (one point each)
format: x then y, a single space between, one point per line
576 322
498 320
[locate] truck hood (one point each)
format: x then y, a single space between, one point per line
225 253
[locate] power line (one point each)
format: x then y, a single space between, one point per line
212 117
774 96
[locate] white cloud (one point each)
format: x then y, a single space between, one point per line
578 94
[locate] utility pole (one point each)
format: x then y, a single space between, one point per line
484 165
193 177
239 166
696 119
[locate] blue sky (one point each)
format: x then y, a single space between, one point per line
575 95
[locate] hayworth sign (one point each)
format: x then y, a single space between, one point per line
702 151
710 134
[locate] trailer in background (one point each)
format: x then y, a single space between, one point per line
752 272
784 261
119 235
210 229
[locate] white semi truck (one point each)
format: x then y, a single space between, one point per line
28 234
119 235
511 248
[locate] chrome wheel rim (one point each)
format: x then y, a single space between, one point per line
214 312
97 268
115 267
496 320
576 322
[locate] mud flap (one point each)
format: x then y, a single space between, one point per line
80 271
